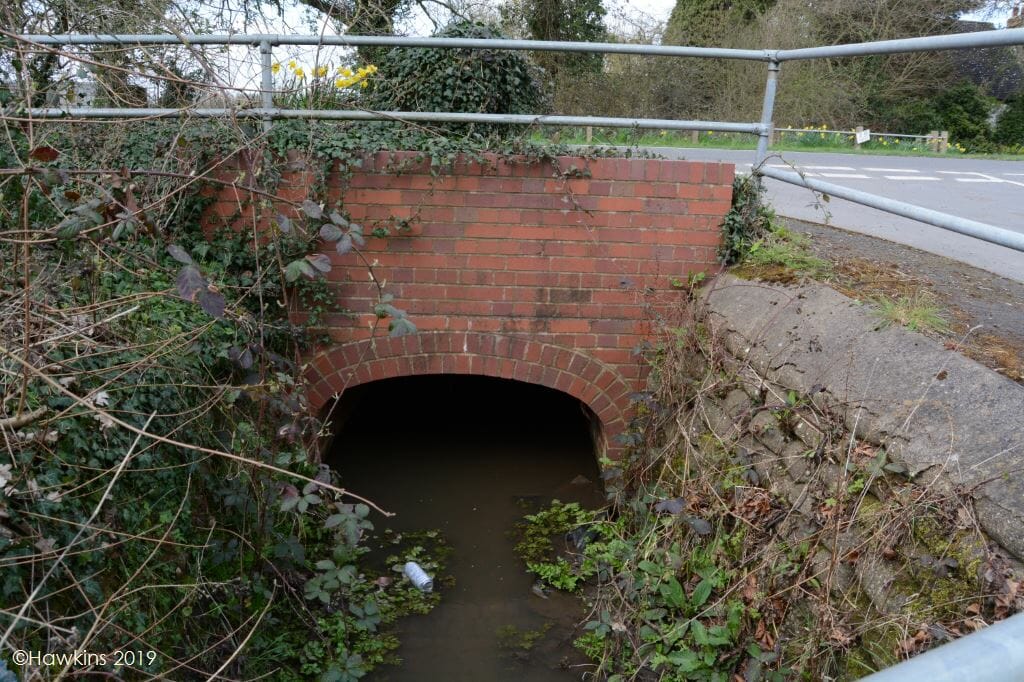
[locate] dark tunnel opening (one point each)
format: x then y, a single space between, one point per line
469 456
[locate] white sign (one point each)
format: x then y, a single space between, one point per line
863 136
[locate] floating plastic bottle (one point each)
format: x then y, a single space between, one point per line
418 577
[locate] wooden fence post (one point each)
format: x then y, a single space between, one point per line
694 136
944 142
590 134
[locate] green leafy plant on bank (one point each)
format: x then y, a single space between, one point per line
748 220
703 568
754 239
784 248
162 454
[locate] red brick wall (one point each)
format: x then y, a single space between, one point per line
518 270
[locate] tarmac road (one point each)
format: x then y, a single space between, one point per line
986 190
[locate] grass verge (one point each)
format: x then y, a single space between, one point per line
833 143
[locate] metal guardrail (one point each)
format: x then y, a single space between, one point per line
971 228
993 654
763 129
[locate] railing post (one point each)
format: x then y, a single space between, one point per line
266 81
856 139
767 112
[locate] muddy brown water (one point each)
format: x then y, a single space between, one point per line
469 456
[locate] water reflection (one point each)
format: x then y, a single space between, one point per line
470 456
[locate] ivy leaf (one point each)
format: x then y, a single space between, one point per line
312 209
338 219
44 154
284 223
334 520
320 261
179 254
330 232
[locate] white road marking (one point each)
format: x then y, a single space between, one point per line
847 175
1022 174
981 177
840 168
910 177
891 170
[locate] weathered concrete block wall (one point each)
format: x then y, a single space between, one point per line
943 416
549 272
816 389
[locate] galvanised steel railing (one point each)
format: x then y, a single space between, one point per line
267 112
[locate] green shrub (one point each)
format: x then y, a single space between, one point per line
910 116
747 221
472 81
1010 126
964 111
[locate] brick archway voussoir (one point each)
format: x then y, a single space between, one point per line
570 371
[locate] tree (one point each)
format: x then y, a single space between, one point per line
565 20
706 22
47 69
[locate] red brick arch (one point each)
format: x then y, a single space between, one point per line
546 272
597 385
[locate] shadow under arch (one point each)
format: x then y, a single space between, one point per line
599 387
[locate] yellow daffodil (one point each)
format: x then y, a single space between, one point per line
363 84
275 67
299 73
321 71
292 65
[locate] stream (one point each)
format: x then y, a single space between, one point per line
470 456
